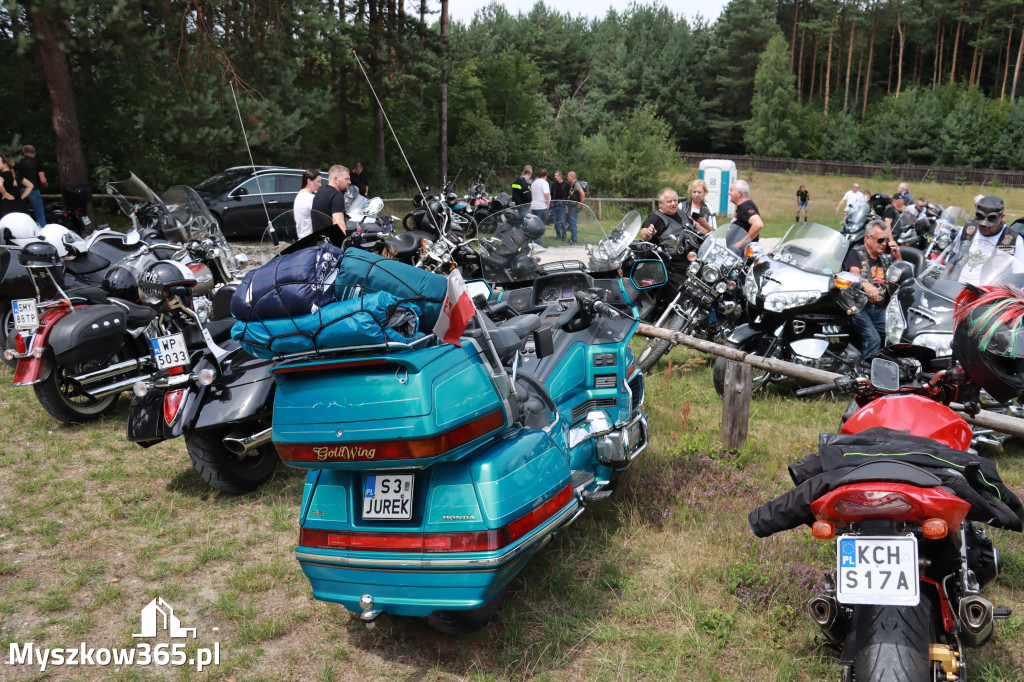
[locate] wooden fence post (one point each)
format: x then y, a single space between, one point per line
736 404
599 210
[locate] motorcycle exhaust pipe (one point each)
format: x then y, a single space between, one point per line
246 444
831 618
977 615
93 377
117 387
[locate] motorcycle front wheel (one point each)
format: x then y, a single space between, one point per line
67 403
759 377
224 470
655 348
893 642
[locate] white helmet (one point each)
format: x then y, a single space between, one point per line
18 229
57 235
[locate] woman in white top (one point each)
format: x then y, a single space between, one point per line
304 202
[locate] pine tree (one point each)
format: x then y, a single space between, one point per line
772 130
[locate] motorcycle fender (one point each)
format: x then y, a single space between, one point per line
743 333
33 370
247 391
145 419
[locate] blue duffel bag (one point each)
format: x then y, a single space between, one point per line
364 271
292 285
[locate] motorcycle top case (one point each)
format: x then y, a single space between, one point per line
387 409
90 333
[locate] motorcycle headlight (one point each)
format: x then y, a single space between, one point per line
940 343
782 300
693 269
750 290
721 288
895 325
710 273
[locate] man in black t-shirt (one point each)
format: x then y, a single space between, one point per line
31 168
870 260
329 200
803 202
666 218
358 178
559 195
894 210
747 216
521 196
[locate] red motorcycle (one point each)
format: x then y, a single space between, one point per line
905 499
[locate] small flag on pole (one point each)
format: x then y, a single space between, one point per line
456 312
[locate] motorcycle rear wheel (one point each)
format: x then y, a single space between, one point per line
66 403
225 471
655 348
893 643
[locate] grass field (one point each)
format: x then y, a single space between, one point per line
663 581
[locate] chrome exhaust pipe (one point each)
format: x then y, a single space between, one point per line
832 619
246 444
117 387
976 614
93 377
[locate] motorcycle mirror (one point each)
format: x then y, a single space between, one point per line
899 272
373 206
131 238
885 375
648 274
478 287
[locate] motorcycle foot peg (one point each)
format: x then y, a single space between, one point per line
369 614
1001 613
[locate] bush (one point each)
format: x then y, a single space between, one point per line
629 158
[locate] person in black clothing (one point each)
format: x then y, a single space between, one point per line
330 200
747 216
894 210
666 218
358 178
803 202
521 196
559 195
32 169
870 260
14 189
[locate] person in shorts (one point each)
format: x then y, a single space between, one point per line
803 202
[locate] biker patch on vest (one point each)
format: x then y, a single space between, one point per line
877 273
1007 241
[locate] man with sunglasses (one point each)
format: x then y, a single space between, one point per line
870 260
981 237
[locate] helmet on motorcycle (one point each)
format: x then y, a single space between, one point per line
17 229
167 281
121 282
39 254
432 213
533 226
933 209
878 202
987 339
59 236
452 198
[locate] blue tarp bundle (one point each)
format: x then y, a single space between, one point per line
376 273
294 284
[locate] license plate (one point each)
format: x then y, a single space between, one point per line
26 315
878 570
170 351
388 496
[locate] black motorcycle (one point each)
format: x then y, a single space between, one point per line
855 224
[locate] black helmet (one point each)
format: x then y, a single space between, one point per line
878 202
987 339
933 209
165 280
989 210
533 226
432 213
121 282
39 255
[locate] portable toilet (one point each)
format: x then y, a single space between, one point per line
718 174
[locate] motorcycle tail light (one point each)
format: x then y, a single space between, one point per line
895 501
934 529
19 343
823 530
172 404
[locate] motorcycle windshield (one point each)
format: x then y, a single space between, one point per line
614 247
812 247
982 264
128 193
354 201
190 218
857 217
721 246
953 217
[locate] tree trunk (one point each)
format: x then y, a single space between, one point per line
792 42
956 45
1016 69
938 72
860 74
800 67
871 61
849 64
70 158
814 66
443 122
899 68
1006 68
975 65
892 42
828 65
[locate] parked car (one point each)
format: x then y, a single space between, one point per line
233 197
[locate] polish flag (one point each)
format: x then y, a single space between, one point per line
456 312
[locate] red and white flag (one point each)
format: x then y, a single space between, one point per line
456 312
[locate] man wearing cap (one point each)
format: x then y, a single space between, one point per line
981 238
894 210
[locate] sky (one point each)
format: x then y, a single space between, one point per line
463 10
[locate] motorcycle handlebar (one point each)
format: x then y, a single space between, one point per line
816 390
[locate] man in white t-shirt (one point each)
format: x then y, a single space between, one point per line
980 239
853 200
540 198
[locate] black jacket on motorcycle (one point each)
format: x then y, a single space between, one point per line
970 477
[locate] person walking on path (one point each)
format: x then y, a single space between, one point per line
577 196
803 202
559 195
330 199
31 168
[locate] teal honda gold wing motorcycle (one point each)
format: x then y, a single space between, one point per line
435 471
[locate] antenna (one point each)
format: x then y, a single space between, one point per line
387 120
259 185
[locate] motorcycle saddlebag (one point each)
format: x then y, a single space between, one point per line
90 333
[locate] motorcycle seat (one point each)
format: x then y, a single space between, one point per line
138 315
405 244
914 257
891 471
93 295
86 263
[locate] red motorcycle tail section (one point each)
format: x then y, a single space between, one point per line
29 370
916 414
